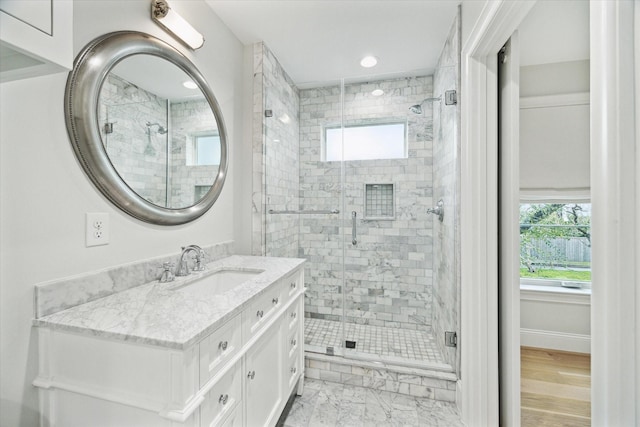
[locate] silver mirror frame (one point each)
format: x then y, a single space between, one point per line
91 67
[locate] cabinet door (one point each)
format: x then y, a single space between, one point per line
36 37
264 379
36 13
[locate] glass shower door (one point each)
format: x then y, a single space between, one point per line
388 234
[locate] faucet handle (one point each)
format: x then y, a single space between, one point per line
167 274
200 260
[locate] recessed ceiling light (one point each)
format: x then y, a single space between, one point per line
190 85
369 61
377 92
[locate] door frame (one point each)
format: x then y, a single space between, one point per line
479 389
509 231
615 196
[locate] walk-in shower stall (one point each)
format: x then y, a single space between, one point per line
360 178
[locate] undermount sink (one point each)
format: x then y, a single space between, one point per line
219 281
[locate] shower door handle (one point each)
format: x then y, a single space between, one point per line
354 240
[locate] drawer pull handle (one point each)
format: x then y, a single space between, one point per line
294 342
294 370
251 374
223 399
275 301
223 345
260 313
293 315
293 285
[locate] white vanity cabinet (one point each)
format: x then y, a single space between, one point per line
35 37
240 374
264 379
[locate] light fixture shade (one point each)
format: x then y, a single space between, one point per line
169 19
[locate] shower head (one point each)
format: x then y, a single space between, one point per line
417 109
161 129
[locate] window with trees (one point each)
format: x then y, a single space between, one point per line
555 241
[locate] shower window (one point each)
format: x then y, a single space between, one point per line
370 141
555 241
204 150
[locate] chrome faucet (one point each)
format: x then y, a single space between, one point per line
183 267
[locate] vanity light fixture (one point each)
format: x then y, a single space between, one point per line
369 61
189 84
175 24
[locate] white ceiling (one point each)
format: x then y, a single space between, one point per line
320 41
317 41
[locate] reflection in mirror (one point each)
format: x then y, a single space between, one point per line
159 131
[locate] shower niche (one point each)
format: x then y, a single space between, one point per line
379 202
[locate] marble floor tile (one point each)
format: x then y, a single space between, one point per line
329 404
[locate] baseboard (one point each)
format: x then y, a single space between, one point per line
576 343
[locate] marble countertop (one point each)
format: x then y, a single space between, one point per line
156 314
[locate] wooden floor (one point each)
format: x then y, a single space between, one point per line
555 388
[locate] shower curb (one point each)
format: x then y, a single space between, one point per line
436 384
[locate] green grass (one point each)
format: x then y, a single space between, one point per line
583 275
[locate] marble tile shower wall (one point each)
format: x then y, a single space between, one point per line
189 118
388 274
139 155
275 150
446 187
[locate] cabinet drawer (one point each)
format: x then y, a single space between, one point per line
222 399
263 309
218 348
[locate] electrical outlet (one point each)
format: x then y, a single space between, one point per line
97 229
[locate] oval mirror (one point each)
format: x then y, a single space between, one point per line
146 128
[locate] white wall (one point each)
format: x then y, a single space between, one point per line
555 321
555 78
44 194
470 12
